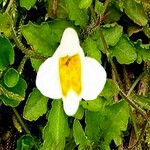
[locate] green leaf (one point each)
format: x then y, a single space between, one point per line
104 126
133 30
19 89
56 129
119 114
91 48
143 51
27 3
144 101
124 51
80 113
36 105
26 142
11 77
99 7
76 14
36 63
110 89
112 33
44 38
113 14
79 136
132 8
92 129
119 4
5 24
40 37
94 105
84 4
6 53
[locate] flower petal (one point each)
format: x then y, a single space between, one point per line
47 80
69 44
93 78
71 103
70 38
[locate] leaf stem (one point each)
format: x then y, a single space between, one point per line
126 78
21 66
105 6
10 94
104 43
135 83
21 121
141 111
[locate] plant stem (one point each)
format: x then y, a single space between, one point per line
21 121
10 94
21 66
105 7
140 136
9 6
18 42
135 83
114 79
126 78
93 15
133 86
134 122
52 9
141 111
116 74
104 43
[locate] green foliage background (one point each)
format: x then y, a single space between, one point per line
114 32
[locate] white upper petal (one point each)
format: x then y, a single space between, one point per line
71 103
69 38
47 80
69 44
93 78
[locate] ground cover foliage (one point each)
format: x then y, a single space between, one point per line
114 32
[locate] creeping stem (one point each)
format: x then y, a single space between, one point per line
21 121
9 6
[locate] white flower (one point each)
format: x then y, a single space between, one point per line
69 75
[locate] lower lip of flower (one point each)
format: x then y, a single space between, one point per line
70 74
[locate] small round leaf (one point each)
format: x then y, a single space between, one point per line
11 77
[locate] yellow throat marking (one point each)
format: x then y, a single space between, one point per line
70 74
